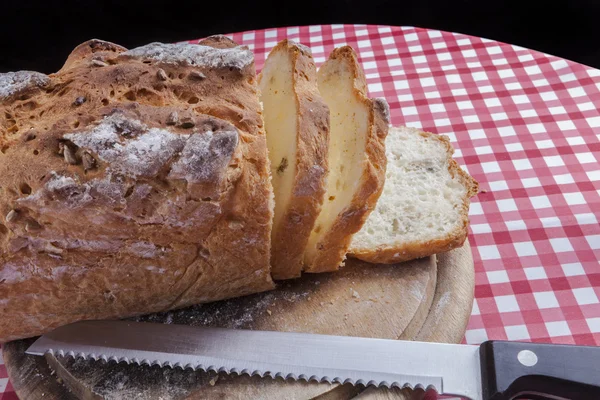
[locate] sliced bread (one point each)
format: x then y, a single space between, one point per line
297 127
356 158
425 202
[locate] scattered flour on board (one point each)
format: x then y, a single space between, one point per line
122 381
118 381
417 290
193 54
225 314
14 82
442 303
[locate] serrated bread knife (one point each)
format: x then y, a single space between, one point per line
495 370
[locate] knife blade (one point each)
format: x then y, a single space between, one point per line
493 371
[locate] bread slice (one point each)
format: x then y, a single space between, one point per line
297 127
425 202
357 160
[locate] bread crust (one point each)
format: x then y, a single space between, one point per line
131 184
330 252
312 142
419 249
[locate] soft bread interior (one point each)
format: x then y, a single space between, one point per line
423 198
280 111
349 124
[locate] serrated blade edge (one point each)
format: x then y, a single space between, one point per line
298 356
238 371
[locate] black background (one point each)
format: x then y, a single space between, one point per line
38 35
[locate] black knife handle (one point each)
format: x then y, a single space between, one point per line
513 370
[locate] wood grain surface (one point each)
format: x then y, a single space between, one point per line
417 300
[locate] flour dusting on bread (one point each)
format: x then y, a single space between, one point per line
205 156
129 146
72 194
237 57
15 82
134 149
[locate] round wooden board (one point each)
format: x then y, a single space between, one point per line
418 300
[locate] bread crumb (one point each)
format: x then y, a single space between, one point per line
308 298
269 312
213 380
354 293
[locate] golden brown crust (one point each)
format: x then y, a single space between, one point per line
456 238
331 251
312 142
218 42
94 48
100 226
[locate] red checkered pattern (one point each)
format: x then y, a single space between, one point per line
526 125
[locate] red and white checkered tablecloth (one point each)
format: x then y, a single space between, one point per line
526 125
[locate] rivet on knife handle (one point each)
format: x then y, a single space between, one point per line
539 371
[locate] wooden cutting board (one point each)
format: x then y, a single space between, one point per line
428 300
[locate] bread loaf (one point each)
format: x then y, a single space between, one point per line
132 181
356 159
297 127
424 207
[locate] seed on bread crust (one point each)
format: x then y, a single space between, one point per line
32 225
197 75
89 162
161 74
187 123
282 165
69 155
99 63
173 118
12 216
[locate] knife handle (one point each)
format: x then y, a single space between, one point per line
513 370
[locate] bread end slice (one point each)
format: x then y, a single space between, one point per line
357 159
297 126
424 207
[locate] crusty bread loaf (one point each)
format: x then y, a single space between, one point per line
131 182
297 127
357 161
424 207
